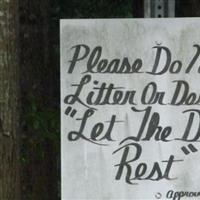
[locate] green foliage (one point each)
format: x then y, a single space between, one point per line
93 8
42 121
42 124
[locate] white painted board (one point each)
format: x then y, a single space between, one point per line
130 114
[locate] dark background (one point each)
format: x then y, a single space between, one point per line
40 79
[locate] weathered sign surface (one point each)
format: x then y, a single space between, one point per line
130 109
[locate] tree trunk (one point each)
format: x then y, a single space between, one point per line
9 109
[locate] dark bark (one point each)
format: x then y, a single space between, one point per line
9 101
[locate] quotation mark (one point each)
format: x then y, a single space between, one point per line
191 148
71 112
158 195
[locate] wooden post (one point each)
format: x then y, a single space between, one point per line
159 8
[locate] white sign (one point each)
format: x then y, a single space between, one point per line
130 114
